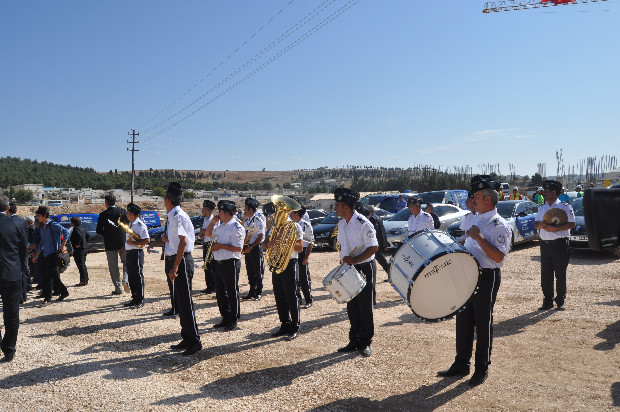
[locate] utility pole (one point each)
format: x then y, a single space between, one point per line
133 149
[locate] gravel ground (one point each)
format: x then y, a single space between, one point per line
88 352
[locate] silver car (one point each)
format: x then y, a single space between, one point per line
396 227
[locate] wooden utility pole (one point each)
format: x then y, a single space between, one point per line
133 149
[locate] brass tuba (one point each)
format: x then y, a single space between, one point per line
132 235
283 234
209 254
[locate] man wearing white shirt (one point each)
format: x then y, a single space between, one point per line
207 213
489 242
134 256
228 235
305 283
253 251
418 220
554 250
358 245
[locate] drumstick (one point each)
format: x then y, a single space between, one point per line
341 265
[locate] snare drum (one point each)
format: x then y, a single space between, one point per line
434 274
344 283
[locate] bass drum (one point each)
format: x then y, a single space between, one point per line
434 274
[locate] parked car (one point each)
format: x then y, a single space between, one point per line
520 216
373 200
383 214
323 231
397 229
95 241
453 197
389 202
316 215
158 232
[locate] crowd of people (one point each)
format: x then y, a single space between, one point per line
226 239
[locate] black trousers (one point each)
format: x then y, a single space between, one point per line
209 271
227 288
10 291
51 277
285 292
305 283
380 258
554 256
478 316
360 310
79 257
183 297
134 259
253 265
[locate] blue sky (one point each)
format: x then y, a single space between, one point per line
386 83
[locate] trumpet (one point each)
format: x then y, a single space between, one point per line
209 255
132 235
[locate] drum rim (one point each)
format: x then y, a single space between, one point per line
451 315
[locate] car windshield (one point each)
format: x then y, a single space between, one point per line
401 216
371 200
332 218
578 207
432 197
505 209
315 213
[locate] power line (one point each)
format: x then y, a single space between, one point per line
292 45
217 66
278 40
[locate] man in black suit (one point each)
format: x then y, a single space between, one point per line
12 264
12 212
114 241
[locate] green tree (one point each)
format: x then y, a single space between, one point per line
188 195
537 180
159 191
23 196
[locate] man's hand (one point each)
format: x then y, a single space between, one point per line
246 250
474 233
349 260
305 261
164 239
173 273
63 249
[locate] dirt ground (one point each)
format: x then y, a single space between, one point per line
89 353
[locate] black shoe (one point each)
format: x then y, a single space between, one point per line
230 326
366 352
138 305
455 370
248 296
169 313
62 297
258 297
546 306
117 292
307 305
280 332
478 378
8 358
292 336
55 293
191 349
129 304
561 307
221 324
44 303
40 296
179 346
351 347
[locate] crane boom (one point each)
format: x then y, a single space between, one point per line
509 5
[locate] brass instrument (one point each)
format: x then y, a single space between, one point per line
132 235
335 234
209 255
283 234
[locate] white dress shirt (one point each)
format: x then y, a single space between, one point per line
256 226
205 224
308 233
231 233
542 209
358 234
140 229
179 224
496 231
420 222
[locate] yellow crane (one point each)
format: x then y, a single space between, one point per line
510 5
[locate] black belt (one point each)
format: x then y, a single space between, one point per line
225 260
172 257
560 239
490 271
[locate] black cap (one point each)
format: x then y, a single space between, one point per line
552 185
174 189
134 208
413 200
348 196
269 209
481 182
227 206
208 204
250 201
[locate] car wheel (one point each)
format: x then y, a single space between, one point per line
334 244
512 241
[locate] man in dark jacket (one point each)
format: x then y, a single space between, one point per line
79 243
436 221
12 265
26 284
114 241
